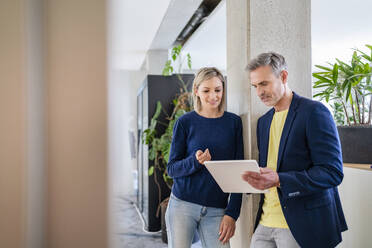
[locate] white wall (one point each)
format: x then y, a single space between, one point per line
122 118
356 201
122 111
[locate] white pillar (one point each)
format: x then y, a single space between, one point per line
285 27
253 27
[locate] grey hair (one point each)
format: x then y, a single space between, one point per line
274 60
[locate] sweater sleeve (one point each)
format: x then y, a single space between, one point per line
235 202
179 165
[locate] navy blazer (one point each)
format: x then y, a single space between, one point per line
309 168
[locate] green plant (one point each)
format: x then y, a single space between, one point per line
159 143
175 65
348 88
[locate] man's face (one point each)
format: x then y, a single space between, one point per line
269 88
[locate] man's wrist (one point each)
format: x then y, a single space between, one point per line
278 183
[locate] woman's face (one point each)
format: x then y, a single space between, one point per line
210 93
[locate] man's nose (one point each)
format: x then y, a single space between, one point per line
259 91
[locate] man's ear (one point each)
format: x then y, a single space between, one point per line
284 76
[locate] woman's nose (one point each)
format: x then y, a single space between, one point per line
213 94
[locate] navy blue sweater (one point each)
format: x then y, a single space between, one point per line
192 181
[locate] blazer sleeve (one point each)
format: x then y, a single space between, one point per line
325 152
258 139
235 202
179 165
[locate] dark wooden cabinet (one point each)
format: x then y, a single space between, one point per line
154 88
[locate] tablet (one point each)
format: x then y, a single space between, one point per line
228 175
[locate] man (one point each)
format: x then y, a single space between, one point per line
300 156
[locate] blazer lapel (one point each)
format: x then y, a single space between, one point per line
287 127
266 135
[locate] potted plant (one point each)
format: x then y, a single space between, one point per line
347 87
159 143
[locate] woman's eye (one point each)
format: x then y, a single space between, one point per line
218 90
206 91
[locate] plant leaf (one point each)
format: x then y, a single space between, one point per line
158 110
322 78
324 68
168 69
151 170
348 93
189 61
317 95
335 73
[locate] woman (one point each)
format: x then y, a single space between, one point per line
207 133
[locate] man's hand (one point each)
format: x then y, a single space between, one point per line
227 229
266 179
203 156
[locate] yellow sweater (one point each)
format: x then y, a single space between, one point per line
272 215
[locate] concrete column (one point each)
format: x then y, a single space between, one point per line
253 27
53 105
239 101
12 124
24 139
285 27
36 125
77 124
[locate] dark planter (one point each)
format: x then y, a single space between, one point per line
356 143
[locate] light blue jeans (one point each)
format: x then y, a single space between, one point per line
183 218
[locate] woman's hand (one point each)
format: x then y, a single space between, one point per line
227 229
203 156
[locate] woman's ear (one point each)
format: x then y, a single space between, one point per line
196 92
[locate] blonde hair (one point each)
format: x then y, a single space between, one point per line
202 75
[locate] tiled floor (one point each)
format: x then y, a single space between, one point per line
130 228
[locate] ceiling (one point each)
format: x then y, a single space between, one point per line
137 26
140 25
207 46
